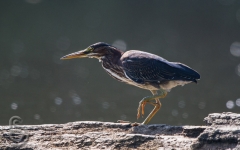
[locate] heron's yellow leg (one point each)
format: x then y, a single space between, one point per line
141 107
149 100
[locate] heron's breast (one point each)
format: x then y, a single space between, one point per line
120 76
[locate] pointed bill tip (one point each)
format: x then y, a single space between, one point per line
79 54
63 58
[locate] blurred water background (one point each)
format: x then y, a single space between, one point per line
38 87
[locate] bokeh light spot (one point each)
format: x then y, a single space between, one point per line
235 49
76 99
230 104
14 106
174 112
238 102
120 44
58 101
181 104
238 69
37 116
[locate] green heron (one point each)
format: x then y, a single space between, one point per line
141 69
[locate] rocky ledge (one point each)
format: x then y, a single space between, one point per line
222 131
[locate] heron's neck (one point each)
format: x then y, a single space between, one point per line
111 59
113 66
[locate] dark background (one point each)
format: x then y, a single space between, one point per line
38 87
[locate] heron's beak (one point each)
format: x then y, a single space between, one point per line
79 54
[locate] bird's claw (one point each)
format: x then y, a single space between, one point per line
143 106
141 109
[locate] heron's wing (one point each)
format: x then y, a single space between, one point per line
147 67
147 70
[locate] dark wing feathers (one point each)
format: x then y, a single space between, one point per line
152 68
185 72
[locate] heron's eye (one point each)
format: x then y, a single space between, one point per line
89 49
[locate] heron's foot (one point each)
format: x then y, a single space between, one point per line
132 124
141 109
142 105
153 100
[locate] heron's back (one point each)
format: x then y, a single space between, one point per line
144 67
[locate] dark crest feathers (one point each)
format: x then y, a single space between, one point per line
99 44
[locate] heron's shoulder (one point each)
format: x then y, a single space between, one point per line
136 54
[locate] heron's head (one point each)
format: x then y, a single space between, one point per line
96 50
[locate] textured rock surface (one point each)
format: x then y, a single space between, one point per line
225 118
222 133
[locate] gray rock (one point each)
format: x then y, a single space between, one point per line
225 118
222 132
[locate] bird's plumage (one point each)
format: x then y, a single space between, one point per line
141 69
144 67
99 45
